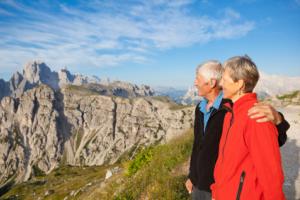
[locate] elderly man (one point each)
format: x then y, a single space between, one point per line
209 117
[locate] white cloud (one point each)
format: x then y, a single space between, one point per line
75 37
5 12
229 12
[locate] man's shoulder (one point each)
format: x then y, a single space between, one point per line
221 108
226 101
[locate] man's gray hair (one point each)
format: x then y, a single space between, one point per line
243 68
211 69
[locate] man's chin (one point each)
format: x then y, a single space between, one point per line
226 97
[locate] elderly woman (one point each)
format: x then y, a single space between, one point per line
249 163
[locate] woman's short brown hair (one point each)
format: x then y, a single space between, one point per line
243 68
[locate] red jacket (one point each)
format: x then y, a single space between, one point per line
249 163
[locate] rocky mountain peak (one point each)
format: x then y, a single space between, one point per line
15 80
65 77
38 72
32 70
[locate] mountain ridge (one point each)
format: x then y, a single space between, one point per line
37 72
268 86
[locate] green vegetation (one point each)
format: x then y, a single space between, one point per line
288 96
159 175
156 172
173 105
37 171
58 184
162 99
5 187
140 160
81 89
179 106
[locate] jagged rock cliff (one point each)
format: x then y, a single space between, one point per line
44 128
28 134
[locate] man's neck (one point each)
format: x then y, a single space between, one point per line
211 97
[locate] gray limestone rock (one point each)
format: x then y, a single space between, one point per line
43 128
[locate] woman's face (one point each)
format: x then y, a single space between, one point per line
230 88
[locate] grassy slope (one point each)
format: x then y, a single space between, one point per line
59 182
154 173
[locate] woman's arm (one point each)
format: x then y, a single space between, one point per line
261 139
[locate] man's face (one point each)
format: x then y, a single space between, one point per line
202 85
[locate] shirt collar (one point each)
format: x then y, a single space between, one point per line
218 100
215 105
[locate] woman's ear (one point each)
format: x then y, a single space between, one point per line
241 84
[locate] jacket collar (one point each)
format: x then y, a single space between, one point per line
229 105
246 98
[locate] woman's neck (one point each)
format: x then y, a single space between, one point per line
237 97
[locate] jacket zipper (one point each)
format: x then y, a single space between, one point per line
242 179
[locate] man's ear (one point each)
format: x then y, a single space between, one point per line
213 83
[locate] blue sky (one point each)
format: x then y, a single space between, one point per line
158 42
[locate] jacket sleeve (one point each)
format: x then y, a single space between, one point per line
282 128
194 144
212 188
261 139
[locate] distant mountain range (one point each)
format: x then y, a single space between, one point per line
37 72
173 93
267 86
272 85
